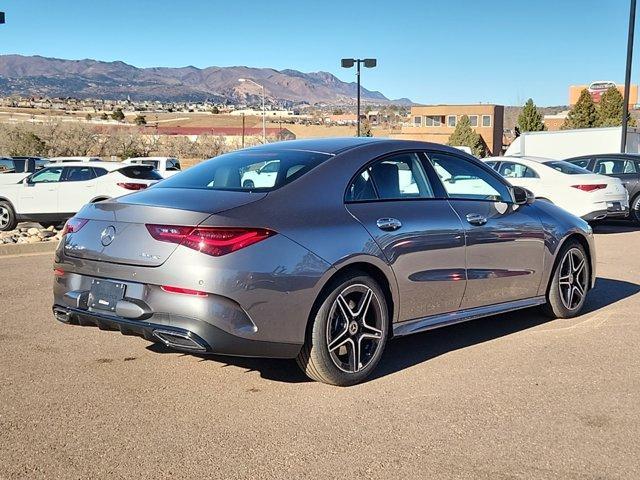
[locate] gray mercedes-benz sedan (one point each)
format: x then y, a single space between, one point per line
319 250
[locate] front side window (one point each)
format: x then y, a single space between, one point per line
516 170
398 177
608 166
78 174
486 120
243 170
451 120
47 175
464 180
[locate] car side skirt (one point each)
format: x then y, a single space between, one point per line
442 320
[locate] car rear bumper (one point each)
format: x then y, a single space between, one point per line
603 214
182 333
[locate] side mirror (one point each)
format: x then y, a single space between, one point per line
522 196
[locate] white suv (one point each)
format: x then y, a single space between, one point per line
52 195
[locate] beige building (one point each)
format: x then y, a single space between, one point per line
436 123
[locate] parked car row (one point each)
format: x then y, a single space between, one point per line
54 191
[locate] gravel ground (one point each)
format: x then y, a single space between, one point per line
512 396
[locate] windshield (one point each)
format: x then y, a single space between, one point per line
566 167
247 170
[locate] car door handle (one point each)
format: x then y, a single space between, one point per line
476 219
389 224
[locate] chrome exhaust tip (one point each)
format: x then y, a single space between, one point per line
179 340
61 315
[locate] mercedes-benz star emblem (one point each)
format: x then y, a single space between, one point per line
107 235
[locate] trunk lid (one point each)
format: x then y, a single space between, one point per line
116 231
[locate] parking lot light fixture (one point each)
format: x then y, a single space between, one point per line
350 62
264 113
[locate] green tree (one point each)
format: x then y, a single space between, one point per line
104 116
610 109
465 136
215 110
140 120
88 117
530 119
583 114
118 115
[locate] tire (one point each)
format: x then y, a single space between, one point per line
248 184
8 219
569 283
634 213
347 334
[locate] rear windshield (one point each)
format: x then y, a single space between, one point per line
247 170
140 172
566 167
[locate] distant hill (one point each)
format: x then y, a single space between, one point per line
52 77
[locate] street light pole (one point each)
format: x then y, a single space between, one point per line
264 111
627 77
350 62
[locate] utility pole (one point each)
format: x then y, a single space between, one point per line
243 130
627 76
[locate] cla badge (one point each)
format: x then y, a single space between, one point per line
107 235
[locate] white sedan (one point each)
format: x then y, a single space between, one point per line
585 194
58 191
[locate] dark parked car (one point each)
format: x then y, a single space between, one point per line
354 240
626 167
14 169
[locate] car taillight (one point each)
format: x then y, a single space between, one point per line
132 186
215 241
590 187
73 225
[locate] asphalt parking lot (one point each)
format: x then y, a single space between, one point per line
512 396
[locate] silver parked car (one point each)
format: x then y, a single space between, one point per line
354 241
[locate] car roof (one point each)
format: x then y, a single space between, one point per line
152 158
515 158
111 166
635 156
336 145
79 159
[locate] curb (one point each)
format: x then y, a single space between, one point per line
27 248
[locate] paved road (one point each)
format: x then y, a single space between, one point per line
513 396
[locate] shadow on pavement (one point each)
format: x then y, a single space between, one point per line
612 226
405 352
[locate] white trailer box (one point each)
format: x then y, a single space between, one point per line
572 143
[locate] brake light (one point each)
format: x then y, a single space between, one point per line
132 186
73 225
183 291
591 187
215 241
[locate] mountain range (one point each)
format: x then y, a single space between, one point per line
53 77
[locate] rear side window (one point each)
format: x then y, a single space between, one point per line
516 170
173 165
395 178
7 165
582 163
247 170
99 171
140 172
566 167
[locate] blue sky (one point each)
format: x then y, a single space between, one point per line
443 51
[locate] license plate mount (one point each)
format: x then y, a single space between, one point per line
104 295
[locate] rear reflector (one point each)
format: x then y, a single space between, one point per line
183 291
215 241
58 272
590 188
73 225
132 186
